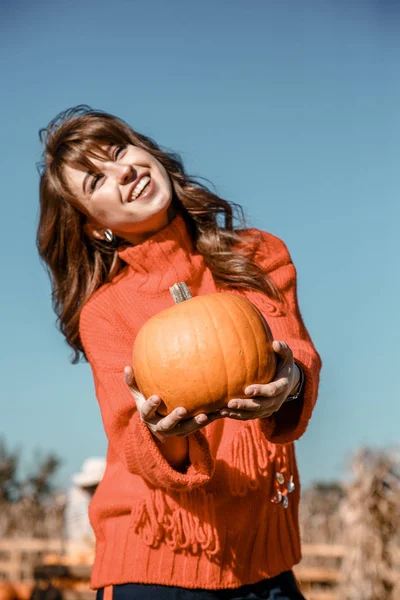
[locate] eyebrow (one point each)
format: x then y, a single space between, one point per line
90 174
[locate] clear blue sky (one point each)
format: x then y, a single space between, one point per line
291 109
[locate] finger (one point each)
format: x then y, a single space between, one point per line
149 408
130 381
245 403
128 376
201 419
213 416
172 419
205 419
282 349
243 415
188 426
268 390
239 415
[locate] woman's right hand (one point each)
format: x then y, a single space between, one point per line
173 424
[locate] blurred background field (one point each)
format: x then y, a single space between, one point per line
350 532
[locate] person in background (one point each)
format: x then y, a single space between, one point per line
78 531
44 589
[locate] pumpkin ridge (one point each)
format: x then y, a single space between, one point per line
259 355
211 316
146 353
162 334
203 374
268 333
240 338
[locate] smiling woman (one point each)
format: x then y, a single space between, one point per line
82 144
120 223
110 196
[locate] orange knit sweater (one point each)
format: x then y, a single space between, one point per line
232 518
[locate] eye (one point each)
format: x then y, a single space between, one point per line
94 182
118 151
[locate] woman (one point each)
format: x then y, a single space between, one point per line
203 507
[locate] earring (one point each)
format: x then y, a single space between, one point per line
109 236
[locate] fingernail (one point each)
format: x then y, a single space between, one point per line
181 412
224 413
232 404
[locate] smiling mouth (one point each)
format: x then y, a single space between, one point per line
139 188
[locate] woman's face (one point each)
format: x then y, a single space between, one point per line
131 196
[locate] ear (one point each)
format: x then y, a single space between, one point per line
94 230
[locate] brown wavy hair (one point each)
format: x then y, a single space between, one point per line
79 264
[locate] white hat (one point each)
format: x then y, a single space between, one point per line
91 474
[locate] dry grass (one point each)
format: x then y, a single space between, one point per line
363 516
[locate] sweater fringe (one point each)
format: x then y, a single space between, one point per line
252 456
184 521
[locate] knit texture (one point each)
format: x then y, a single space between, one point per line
232 517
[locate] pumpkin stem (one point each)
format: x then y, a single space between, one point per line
180 292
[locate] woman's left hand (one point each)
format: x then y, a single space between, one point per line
265 399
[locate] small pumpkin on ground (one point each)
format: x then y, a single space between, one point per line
7 591
23 589
203 351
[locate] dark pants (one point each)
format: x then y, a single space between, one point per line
282 587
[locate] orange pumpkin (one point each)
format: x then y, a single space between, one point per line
203 351
7 591
23 589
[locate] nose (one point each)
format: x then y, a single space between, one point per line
126 174
123 173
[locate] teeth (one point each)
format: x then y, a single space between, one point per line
140 187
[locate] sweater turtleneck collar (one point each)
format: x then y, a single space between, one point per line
165 258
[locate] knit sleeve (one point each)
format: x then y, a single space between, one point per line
286 323
108 350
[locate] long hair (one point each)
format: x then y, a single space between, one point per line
79 264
